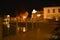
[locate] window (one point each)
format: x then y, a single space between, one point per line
53 10
48 11
58 10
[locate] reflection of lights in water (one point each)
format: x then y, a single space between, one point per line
56 19
5 22
55 36
24 29
18 29
8 26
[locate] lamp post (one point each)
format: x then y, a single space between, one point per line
33 12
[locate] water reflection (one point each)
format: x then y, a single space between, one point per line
36 31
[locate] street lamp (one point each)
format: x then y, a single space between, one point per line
8 15
34 11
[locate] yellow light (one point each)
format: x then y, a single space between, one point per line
5 19
57 19
8 26
6 22
18 29
34 11
24 29
14 18
24 17
38 15
8 15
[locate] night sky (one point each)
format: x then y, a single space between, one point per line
10 7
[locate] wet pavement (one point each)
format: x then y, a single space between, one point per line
43 32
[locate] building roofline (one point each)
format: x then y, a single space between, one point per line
51 6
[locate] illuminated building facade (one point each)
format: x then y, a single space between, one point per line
51 12
36 16
23 16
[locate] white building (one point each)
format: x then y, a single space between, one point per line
36 15
51 12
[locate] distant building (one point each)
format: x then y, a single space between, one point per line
22 16
51 12
36 16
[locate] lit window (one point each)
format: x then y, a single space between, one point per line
58 10
53 10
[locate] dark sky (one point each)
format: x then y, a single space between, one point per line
15 5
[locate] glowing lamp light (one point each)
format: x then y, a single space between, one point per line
24 17
24 29
34 11
6 22
8 26
8 15
38 15
5 19
18 29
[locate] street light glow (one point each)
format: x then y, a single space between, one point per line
18 29
34 11
5 19
24 17
24 29
8 26
8 15
6 22
38 15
